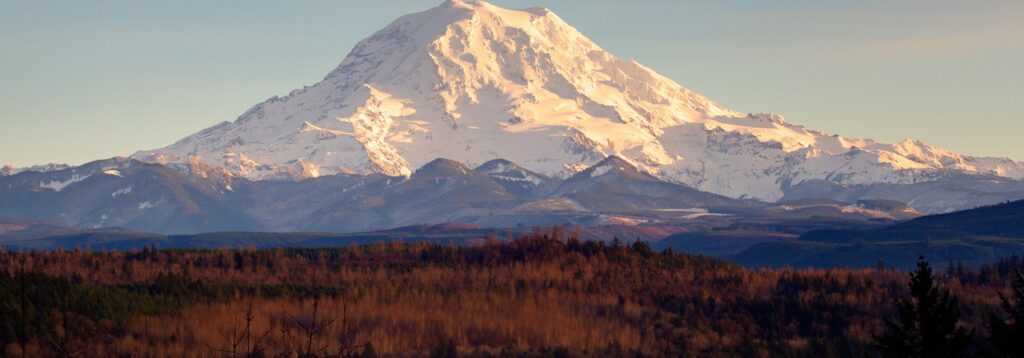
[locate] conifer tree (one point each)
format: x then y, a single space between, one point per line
368 351
927 324
1007 336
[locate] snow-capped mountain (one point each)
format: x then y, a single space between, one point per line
474 82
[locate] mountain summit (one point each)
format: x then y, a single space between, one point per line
473 82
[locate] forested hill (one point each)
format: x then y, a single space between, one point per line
973 237
1004 220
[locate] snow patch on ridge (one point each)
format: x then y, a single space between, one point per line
58 186
120 192
601 170
113 172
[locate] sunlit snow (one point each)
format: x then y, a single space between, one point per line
471 81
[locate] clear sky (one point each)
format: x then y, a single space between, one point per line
84 80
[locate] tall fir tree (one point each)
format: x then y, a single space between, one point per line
927 322
1007 334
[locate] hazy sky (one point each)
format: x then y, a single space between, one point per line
84 80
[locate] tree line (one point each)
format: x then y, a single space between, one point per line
545 294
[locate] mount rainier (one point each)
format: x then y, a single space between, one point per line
473 82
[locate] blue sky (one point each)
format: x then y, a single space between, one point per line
84 80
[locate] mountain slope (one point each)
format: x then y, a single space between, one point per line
1004 220
951 192
474 82
614 184
126 193
973 236
516 179
442 190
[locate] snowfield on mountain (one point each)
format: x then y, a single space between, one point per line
473 82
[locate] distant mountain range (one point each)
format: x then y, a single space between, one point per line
197 198
971 237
